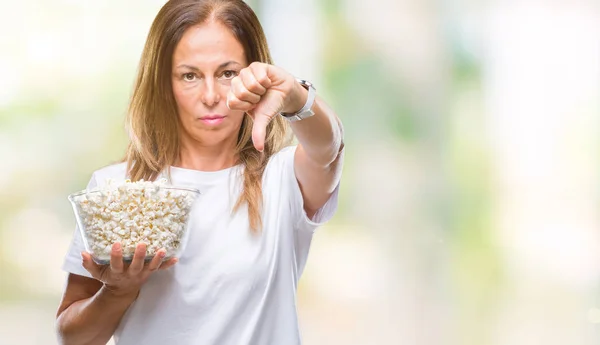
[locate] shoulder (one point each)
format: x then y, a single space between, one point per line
117 172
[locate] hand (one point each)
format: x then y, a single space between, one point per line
263 91
122 279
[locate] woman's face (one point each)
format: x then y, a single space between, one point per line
205 60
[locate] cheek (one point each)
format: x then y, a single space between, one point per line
237 117
185 99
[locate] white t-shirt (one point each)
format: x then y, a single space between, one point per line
230 286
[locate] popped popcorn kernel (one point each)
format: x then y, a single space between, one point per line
133 212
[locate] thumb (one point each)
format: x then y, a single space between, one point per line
90 266
259 131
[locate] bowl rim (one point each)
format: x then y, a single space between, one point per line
91 191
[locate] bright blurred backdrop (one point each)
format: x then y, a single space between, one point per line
470 196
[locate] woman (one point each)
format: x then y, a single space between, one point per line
210 111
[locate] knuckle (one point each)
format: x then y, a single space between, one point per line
129 275
255 85
235 83
235 93
248 78
262 79
245 93
235 103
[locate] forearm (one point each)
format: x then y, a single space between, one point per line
92 321
321 135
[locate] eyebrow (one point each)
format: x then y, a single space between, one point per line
221 66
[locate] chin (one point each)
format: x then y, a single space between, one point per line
214 136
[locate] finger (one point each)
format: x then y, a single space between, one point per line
242 93
116 258
90 265
261 73
249 80
157 260
137 264
168 264
235 103
259 130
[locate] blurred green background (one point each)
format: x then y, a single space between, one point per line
470 196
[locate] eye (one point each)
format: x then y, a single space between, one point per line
229 74
189 76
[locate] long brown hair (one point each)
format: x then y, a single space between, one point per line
152 121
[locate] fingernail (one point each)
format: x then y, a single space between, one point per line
162 254
117 246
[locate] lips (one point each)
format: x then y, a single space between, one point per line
212 119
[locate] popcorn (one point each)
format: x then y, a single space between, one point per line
133 212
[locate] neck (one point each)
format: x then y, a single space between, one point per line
196 156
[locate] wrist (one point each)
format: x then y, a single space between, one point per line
297 99
120 295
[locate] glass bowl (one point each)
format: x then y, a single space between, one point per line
156 215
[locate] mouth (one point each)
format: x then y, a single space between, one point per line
212 119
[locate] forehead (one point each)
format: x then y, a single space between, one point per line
208 45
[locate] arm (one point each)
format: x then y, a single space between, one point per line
263 91
89 313
91 309
319 157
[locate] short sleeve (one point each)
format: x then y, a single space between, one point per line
72 262
323 215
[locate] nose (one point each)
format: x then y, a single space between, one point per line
210 94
